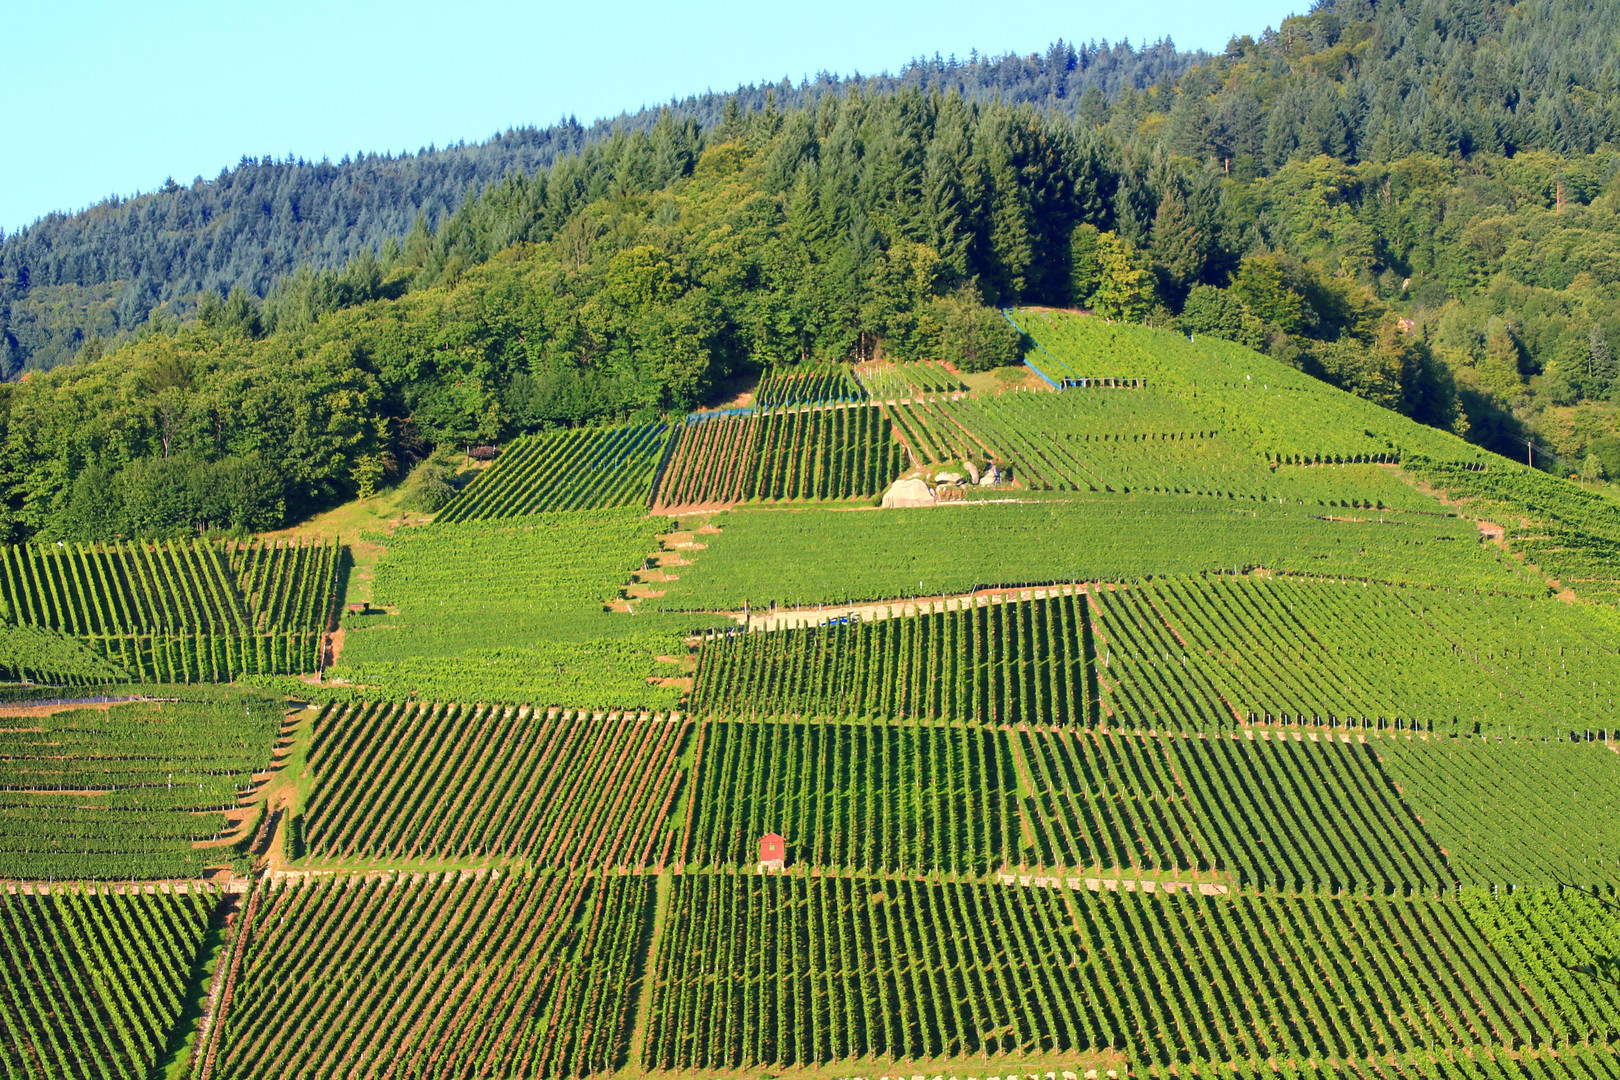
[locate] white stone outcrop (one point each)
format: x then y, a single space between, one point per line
907 493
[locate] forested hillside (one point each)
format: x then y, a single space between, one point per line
93 277
1417 202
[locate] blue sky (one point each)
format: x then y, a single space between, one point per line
114 97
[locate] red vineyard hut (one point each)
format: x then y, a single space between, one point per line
772 852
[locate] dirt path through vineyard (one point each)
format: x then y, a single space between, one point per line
782 618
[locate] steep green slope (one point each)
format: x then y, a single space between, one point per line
514 610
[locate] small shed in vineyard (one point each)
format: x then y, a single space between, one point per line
772 852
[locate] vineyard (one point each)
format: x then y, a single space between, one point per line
1144 441
990 662
1577 1062
790 387
760 558
1555 941
420 782
514 610
885 798
127 791
820 453
1204 652
1515 811
36 653
898 382
837 384
798 971
1237 731
527 974
1278 812
1188 653
710 463
1298 976
856 797
935 436
176 611
1572 534
579 469
1282 413
1212 651
91 981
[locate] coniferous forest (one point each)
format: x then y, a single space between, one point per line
1418 202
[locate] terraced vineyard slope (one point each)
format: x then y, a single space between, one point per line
1234 728
135 790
